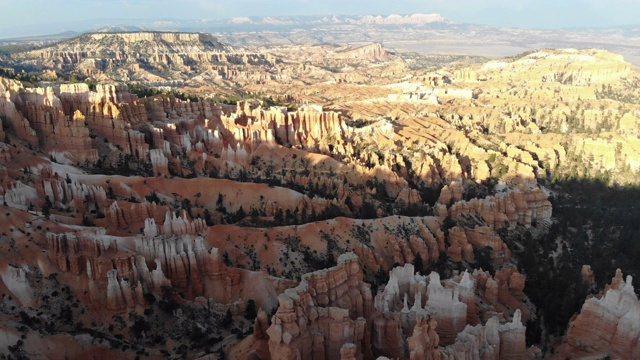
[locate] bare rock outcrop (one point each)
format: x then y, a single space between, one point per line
15 280
583 67
522 206
95 259
328 310
608 324
36 115
59 120
450 314
125 215
407 300
67 192
491 341
174 225
194 270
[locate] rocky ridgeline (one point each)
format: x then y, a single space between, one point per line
112 114
584 67
379 243
373 52
97 53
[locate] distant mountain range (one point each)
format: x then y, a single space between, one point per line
394 19
424 33
255 23
235 23
119 28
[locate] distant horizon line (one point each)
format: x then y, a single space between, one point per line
141 22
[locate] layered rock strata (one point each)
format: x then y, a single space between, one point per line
608 325
324 316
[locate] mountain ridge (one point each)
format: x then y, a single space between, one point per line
423 33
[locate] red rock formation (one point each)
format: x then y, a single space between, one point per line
16 121
608 325
460 247
388 337
15 280
451 313
517 206
91 256
110 112
452 192
250 124
59 120
36 115
491 341
411 302
326 311
195 271
260 326
80 197
423 344
159 162
379 243
512 339
174 225
348 351
504 291
408 196
125 215
116 278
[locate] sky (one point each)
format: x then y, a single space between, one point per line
35 17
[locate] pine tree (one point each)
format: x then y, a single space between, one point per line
46 208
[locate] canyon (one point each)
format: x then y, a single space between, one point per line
186 198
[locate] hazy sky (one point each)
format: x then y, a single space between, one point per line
23 17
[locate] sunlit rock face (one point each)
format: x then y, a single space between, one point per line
608 324
60 119
590 67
